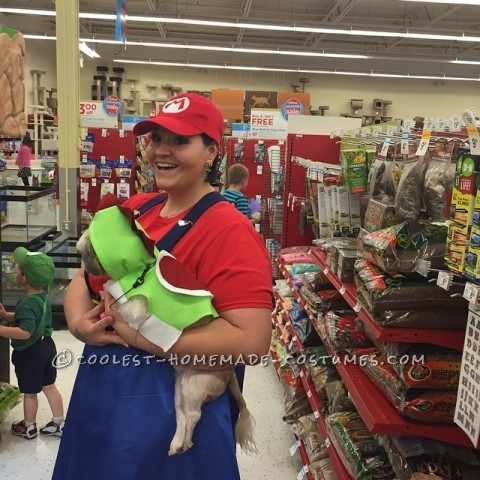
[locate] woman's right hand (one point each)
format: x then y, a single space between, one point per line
92 328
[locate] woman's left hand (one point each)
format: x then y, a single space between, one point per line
112 309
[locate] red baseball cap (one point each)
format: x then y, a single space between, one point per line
186 114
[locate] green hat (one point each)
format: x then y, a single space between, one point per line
37 267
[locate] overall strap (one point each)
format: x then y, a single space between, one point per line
169 240
150 204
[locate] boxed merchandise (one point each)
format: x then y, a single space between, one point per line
347 259
343 208
354 168
322 212
463 201
472 258
378 216
355 213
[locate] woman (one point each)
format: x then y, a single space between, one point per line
121 417
23 161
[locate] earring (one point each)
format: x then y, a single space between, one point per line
208 167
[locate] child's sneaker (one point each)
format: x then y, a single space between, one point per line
20 429
52 429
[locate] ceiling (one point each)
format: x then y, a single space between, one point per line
386 54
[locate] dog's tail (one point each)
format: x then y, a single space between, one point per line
245 423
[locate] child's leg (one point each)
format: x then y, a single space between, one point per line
30 407
54 399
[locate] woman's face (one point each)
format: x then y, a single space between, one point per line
178 162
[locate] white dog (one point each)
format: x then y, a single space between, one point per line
192 387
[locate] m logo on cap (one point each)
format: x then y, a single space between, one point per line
176 106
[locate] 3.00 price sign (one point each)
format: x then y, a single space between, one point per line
92 115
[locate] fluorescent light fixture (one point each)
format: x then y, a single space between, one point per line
257 26
88 51
38 37
228 49
299 70
466 62
453 2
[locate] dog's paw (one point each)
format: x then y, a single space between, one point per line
178 446
135 311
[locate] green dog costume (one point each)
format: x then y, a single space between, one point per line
176 300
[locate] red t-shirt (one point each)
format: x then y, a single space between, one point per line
222 250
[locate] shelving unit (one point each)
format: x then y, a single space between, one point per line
312 394
378 414
445 338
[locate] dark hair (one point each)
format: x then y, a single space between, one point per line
26 140
212 175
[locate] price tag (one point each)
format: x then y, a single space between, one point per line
309 394
385 146
288 323
121 134
391 129
364 132
301 373
294 339
423 146
441 124
327 442
471 292
455 124
408 124
325 270
342 290
423 267
293 449
316 414
404 143
444 280
377 130
302 473
357 307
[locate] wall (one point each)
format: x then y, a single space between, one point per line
410 97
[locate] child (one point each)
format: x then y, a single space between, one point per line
237 176
34 351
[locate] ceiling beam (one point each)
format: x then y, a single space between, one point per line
246 12
160 27
334 15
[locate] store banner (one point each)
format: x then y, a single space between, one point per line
121 21
230 103
268 124
467 409
129 121
256 99
92 115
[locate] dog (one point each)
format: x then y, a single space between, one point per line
193 387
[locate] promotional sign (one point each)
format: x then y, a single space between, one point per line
256 99
230 103
240 130
467 412
121 21
92 115
292 107
129 121
268 124
112 105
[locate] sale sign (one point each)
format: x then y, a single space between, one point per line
292 107
93 115
112 105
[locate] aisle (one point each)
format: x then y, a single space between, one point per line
34 459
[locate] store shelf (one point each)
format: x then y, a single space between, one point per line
378 414
445 338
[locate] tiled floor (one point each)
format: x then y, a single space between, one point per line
34 459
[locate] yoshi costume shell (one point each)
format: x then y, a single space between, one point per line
176 300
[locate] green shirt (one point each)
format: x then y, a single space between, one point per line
28 315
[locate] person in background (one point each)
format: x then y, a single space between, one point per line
237 178
24 159
121 417
34 350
